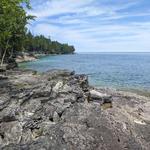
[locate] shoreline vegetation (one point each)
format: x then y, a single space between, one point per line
28 56
16 39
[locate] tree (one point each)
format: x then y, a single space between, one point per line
13 19
41 44
14 36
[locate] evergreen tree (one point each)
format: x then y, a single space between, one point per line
41 44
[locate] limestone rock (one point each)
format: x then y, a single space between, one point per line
58 110
103 97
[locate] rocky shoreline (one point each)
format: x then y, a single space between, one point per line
25 57
58 110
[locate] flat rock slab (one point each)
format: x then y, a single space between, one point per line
99 96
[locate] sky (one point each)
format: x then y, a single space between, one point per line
94 25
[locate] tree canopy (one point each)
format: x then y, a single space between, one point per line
13 20
14 36
41 44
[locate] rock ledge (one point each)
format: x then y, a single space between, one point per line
58 110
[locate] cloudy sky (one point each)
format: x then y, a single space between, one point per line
95 25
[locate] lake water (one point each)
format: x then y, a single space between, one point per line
116 70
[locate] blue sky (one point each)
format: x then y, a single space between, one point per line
94 25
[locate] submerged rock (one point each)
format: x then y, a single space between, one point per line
58 110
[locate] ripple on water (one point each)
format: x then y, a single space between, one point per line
117 70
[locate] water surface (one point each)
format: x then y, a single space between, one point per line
116 70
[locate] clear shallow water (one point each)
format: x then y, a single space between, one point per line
126 70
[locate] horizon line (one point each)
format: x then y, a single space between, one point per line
112 52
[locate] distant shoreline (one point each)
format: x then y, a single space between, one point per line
27 57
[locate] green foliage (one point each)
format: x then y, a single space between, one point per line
41 44
13 20
14 36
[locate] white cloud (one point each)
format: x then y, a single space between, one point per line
92 26
56 7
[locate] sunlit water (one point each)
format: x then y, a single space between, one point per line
117 70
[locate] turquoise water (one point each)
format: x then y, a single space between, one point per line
116 70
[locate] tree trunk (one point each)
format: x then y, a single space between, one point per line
11 53
4 54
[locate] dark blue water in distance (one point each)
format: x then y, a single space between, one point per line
116 70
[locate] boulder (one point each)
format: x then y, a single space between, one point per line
101 97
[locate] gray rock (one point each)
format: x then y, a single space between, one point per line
58 110
101 97
3 77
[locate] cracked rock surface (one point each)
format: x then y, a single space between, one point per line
58 110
